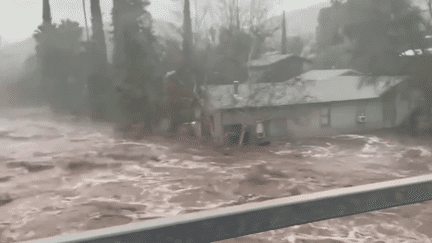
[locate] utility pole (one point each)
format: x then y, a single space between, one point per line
283 44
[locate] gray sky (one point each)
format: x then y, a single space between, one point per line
19 18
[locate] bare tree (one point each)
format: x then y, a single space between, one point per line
229 11
202 12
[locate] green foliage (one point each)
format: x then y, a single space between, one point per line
58 50
372 33
137 54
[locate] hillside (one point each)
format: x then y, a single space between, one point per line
301 22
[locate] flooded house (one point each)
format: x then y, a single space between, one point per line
333 102
275 68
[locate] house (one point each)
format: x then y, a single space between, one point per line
274 68
308 108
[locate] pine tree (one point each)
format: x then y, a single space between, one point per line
134 56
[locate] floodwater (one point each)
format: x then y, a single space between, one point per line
60 177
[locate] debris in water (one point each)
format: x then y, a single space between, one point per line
294 191
412 153
5 198
33 165
116 205
5 178
82 163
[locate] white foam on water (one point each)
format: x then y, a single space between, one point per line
162 180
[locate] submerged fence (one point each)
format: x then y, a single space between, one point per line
236 221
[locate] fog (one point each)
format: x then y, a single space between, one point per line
165 110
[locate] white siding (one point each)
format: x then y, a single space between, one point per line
304 120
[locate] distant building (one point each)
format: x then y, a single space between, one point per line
225 71
275 68
317 103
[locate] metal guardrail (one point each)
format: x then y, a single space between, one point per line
251 218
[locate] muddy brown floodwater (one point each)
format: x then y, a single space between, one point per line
59 177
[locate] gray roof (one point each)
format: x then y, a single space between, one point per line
327 74
342 88
269 59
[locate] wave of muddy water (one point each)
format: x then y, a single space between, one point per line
59 177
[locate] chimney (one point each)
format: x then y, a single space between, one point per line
236 86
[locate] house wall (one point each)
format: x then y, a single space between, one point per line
299 121
305 120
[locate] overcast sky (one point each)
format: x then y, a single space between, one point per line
19 18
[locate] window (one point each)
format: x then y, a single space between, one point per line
325 117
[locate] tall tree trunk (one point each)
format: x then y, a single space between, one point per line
238 15
119 41
97 81
283 44
256 49
46 81
187 35
46 12
98 31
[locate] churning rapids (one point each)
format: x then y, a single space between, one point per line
59 177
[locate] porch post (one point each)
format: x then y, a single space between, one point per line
218 133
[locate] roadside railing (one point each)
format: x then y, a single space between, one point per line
236 221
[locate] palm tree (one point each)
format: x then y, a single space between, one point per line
46 12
